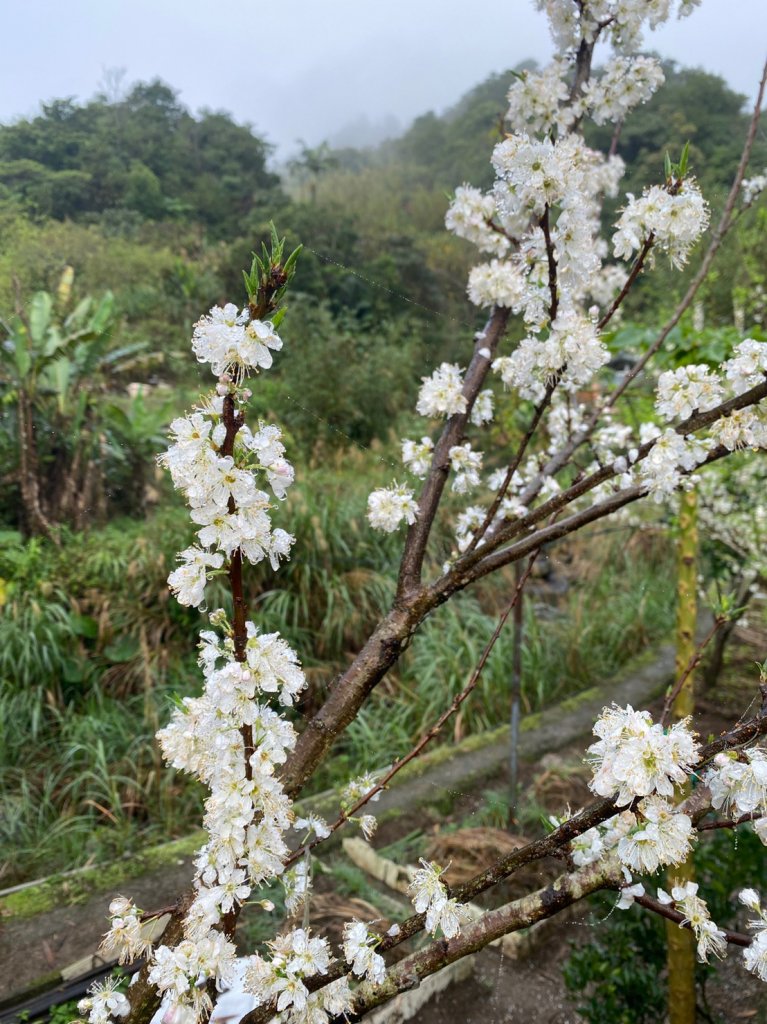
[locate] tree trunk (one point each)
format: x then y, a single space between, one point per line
34 518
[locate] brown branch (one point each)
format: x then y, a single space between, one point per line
664 910
431 493
428 736
552 263
692 664
636 270
615 139
563 892
709 826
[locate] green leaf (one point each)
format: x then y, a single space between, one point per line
78 315
684 160
39 316
85 626
21 351
122 650
290 263
100 321
667 166
278 317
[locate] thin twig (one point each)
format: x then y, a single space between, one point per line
552 262
709 826
692 664
664 910
636 270
428 736
513 466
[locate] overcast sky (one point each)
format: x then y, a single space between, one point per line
307 68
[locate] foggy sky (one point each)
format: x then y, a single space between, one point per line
307 68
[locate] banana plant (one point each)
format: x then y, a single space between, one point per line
135 429
54 363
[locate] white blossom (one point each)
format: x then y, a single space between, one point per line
470 216
466 464
188 581
675 219
661 836
416 455
633 757
710 938
442 393
429 896
388 507
688 389
498 283
748 365
359 951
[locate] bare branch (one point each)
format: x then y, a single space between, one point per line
435 729
664 910
690 667
418 535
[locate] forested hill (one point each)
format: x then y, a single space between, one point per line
692 105
140 198
163 207
147 154
144 154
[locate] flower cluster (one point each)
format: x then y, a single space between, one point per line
125 937
499 283
635 757
538 100
388 507
429 896
570 355
661 836
221 489
233 343
710 938
672 455
466 464
672 218
470 216
416 455
104 1002
359 950
442 393
353 792
747 367
739 785
571 21
755 955
752 188
627 82
181 973
683 391
296 956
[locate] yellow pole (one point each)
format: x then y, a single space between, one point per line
680 942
